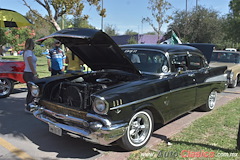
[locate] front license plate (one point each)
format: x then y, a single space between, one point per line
56 130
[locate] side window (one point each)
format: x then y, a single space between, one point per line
237 59
179 61
195 62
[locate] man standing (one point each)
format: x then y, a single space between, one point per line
56 59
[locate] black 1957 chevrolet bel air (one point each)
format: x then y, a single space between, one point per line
130 88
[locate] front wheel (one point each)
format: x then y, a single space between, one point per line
211 102
139 131
6 87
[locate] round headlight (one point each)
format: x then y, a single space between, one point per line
34 89
100 106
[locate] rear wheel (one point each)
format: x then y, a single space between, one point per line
139 131
211 102
6 87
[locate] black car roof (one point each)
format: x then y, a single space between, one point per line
164 47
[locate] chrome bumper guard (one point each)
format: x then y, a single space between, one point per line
100 131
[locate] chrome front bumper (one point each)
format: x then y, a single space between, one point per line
98 130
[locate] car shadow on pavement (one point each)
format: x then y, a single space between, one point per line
14 122
19 90
172 142
204 145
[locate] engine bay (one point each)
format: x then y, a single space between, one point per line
76 93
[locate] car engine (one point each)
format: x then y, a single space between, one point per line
76 93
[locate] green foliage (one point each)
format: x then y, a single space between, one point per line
233 22
16 37
151 33
38 50
130 32
235 8
201 25
79 22
132 40
58 8
110 30
41 26
49 43
3 37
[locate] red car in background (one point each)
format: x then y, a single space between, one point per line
11 72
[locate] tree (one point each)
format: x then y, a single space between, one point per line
158 9
3 37
80 22
151 33
201 25
110 30
132 40
130 32
233 21
57 8
17 36
41 27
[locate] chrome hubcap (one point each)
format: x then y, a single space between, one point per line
5 86
139 128
212 99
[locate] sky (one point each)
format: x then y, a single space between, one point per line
125 14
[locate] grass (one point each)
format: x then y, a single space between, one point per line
214 134
42 67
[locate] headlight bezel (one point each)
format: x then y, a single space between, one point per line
35 91
99 102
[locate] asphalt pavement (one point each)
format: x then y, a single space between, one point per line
22 136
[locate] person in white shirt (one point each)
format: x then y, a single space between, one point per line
30 72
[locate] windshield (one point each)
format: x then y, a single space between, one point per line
148 61
225 57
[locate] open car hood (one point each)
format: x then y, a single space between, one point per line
95 48
205 48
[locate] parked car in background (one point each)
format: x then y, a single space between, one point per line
11 72
231 59
129 89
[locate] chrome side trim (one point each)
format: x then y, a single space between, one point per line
151 97
219 78
139 101
161 94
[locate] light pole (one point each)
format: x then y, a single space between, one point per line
102 18
186 6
